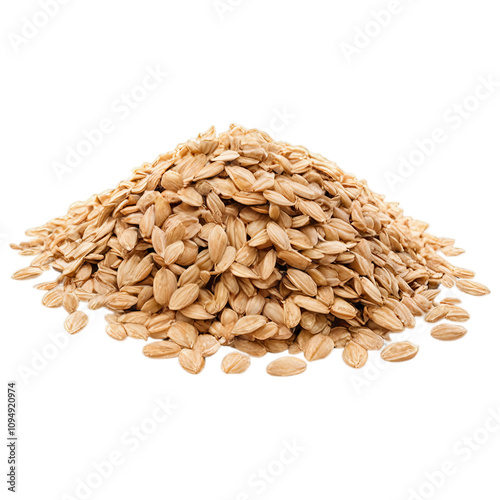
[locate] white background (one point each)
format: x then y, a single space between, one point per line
280 65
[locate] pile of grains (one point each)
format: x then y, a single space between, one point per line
236 240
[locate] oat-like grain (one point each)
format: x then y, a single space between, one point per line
399 351
75 322
53 298
235 362
248 324
184 296
437 314
243 242
183 334
286 366
163 349
448 332
191 361
116 331
27 273
206 345
354 355
456 313
318 347
472 287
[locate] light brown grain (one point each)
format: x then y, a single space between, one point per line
399 351
286 367
243 242
448 332
235 362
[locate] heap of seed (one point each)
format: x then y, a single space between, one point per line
244 242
